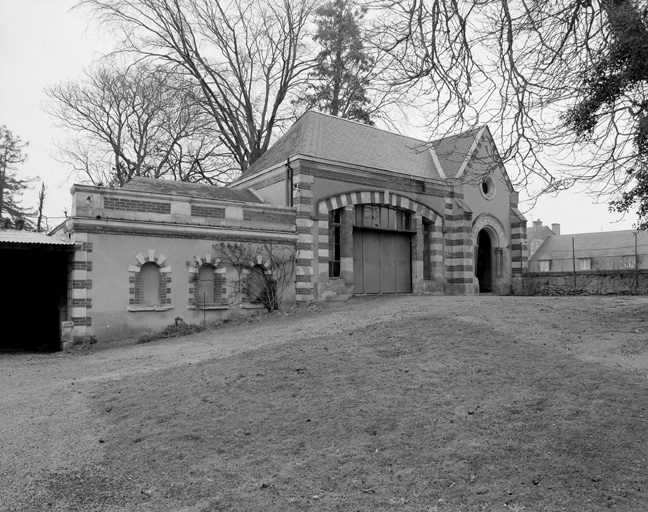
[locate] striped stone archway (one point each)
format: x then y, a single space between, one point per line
387 198
494 226
500 244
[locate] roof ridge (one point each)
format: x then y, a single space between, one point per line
384 130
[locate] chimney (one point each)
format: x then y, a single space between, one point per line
555 228
537 224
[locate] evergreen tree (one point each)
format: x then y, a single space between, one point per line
340 75
11 187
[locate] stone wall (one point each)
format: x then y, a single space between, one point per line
583 283
119 231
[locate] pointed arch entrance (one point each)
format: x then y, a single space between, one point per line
489 241
484 267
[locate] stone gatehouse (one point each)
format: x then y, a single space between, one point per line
360 210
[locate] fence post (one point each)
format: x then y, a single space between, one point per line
574 261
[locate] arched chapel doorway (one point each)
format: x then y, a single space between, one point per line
484 264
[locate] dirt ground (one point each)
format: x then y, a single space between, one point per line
97 428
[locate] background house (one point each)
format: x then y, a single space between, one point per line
594 263
612 250
537 233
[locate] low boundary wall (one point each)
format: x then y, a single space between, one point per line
608 282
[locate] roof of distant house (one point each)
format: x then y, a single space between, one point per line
324 136
533 233
11 236
592 245
181 188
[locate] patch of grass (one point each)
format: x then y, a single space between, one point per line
423 414
419 415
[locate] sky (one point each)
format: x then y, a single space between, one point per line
42 43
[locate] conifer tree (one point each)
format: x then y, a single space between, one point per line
11 187
339 80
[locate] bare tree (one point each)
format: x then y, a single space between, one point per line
245 56
263 271
137 121
521 66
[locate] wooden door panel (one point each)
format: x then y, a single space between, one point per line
387 253
371 262
382 262
403 271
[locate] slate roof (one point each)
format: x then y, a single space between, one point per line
180 188
10 236
592 245
331 138
535 233
451 151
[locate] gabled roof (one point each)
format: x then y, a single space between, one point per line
10 236
331 138
452 151
541 233
179 188
592 245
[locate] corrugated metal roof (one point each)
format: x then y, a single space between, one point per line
31 237
328 137
190 189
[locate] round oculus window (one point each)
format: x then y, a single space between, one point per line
487 188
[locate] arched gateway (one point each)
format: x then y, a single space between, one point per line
490 242
373 239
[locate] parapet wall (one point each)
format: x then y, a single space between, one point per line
99 203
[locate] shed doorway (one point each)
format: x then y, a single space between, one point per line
34 297
484 264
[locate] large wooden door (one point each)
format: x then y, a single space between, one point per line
382 262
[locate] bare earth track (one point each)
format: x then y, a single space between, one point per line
378 403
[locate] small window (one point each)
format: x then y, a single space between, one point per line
427 249
382 217
257 284
545 265
585 263
150 284
629 262
488 188
403 220
371 218
335 242
205 286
